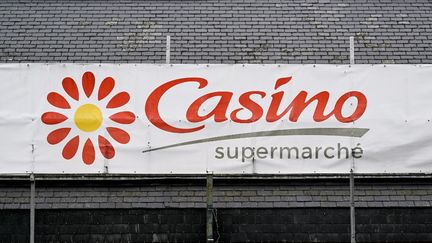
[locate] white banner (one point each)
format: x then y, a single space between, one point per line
225 119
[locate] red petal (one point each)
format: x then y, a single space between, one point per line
88 154
106 147
105 88
124 117
58 135
88 83
118 100
58 100
71 88
71 148
118 134
51 118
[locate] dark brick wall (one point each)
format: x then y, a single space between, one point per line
126 225
325 225
284 225
394 224
232 225
14 226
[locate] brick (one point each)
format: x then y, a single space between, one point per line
249 204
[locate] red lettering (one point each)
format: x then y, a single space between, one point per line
360 109
152 105
219 112
298 104
247 102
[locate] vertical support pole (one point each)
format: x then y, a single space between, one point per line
351 178
32 207
352 208
209 208
168 49
351 39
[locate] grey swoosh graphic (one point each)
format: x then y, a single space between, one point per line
344 132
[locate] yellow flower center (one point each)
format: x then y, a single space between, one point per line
88 118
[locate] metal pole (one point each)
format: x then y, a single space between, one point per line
352 208
168 49
351 50
210 208
352 202
32 207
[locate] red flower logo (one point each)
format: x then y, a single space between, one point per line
88 117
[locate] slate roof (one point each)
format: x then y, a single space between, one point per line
281 194
216 31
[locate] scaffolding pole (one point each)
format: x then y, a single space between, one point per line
209 224
351 178
32 207
168 50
